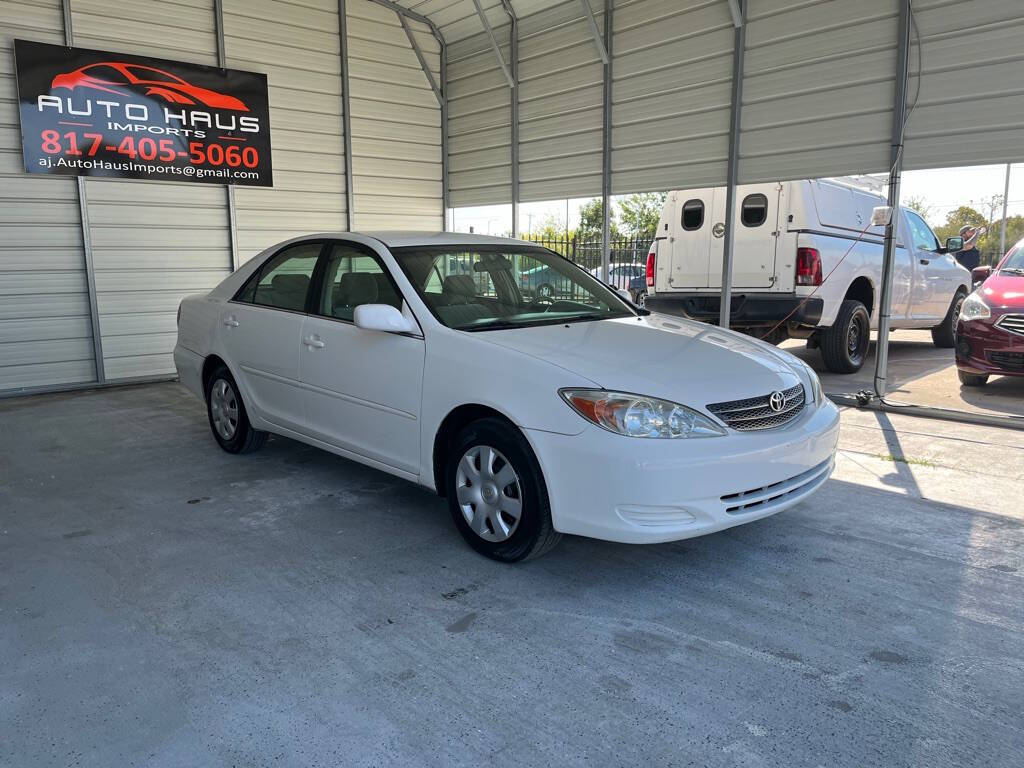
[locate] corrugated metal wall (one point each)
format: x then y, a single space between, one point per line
45 325
152 242
970 105
396 122
296 45
671 94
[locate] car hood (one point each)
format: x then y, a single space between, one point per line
658 356
1004 291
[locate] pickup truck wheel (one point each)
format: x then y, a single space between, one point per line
944 334
844 345
972 379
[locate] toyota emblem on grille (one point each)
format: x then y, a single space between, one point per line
776 401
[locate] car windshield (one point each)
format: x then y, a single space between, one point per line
1014 260
486 288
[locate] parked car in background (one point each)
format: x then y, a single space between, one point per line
807 264
990 329
517 409
620 274
544 282
638 290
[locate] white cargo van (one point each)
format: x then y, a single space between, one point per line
790 277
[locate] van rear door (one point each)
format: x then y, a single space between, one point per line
757 236
690 239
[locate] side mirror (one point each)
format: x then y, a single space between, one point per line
383 317
954 244
981 274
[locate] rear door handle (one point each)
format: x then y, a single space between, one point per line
314 342
230 322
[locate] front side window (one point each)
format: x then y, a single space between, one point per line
283 281
352 277
921 234
693 215
754 210
484 288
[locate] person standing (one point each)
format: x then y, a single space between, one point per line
969 256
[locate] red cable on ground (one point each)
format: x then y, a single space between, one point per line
824 280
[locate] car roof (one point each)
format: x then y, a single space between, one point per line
403 238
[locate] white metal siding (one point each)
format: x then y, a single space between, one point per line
396 122
153 242
479 122
45 326
818 88
671 94
296 44
561 97
971 105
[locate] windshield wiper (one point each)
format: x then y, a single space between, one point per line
1013 270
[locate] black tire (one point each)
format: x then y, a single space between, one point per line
944 334
244 439
972 379
545 291
844 345
533 534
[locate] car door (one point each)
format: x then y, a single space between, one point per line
260 332
933 284
362 388
757 233
690 239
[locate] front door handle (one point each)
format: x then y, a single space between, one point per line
925 261
314 342
230 322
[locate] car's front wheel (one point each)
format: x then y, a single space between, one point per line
229 421
496 493
972 379
944 334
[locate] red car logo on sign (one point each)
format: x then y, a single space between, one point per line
117 77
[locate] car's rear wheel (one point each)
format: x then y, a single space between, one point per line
944 334
496 493
844 345
972 379
229 421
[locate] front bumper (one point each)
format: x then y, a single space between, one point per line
750 310
642 491
984 348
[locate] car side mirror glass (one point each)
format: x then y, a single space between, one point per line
954 244
383 317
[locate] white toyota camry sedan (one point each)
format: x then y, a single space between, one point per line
423 355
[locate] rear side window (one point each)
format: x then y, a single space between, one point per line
284 280
754 210
693 215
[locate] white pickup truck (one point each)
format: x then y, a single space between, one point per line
791 239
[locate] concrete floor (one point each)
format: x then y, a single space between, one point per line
163 603
921 374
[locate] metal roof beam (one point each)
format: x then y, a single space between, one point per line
494 43
423 62
737 14
589 13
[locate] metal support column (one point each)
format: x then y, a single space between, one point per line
222 57
83 212
739 10
513 44
899 119
1006 198
606 147
346 118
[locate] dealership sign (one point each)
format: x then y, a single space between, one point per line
96 113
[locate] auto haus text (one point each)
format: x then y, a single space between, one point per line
136 117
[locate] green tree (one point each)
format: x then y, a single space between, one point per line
592 217
957 218
639 213
918 204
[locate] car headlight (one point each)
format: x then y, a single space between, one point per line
974 308
639 416
817 394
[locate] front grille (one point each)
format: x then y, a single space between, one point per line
1012 323
776 493
755 412
1008 361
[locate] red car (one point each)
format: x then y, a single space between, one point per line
117 77
990 331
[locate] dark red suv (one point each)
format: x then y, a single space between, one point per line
990 331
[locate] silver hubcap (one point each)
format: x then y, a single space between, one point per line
224 409
489 493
